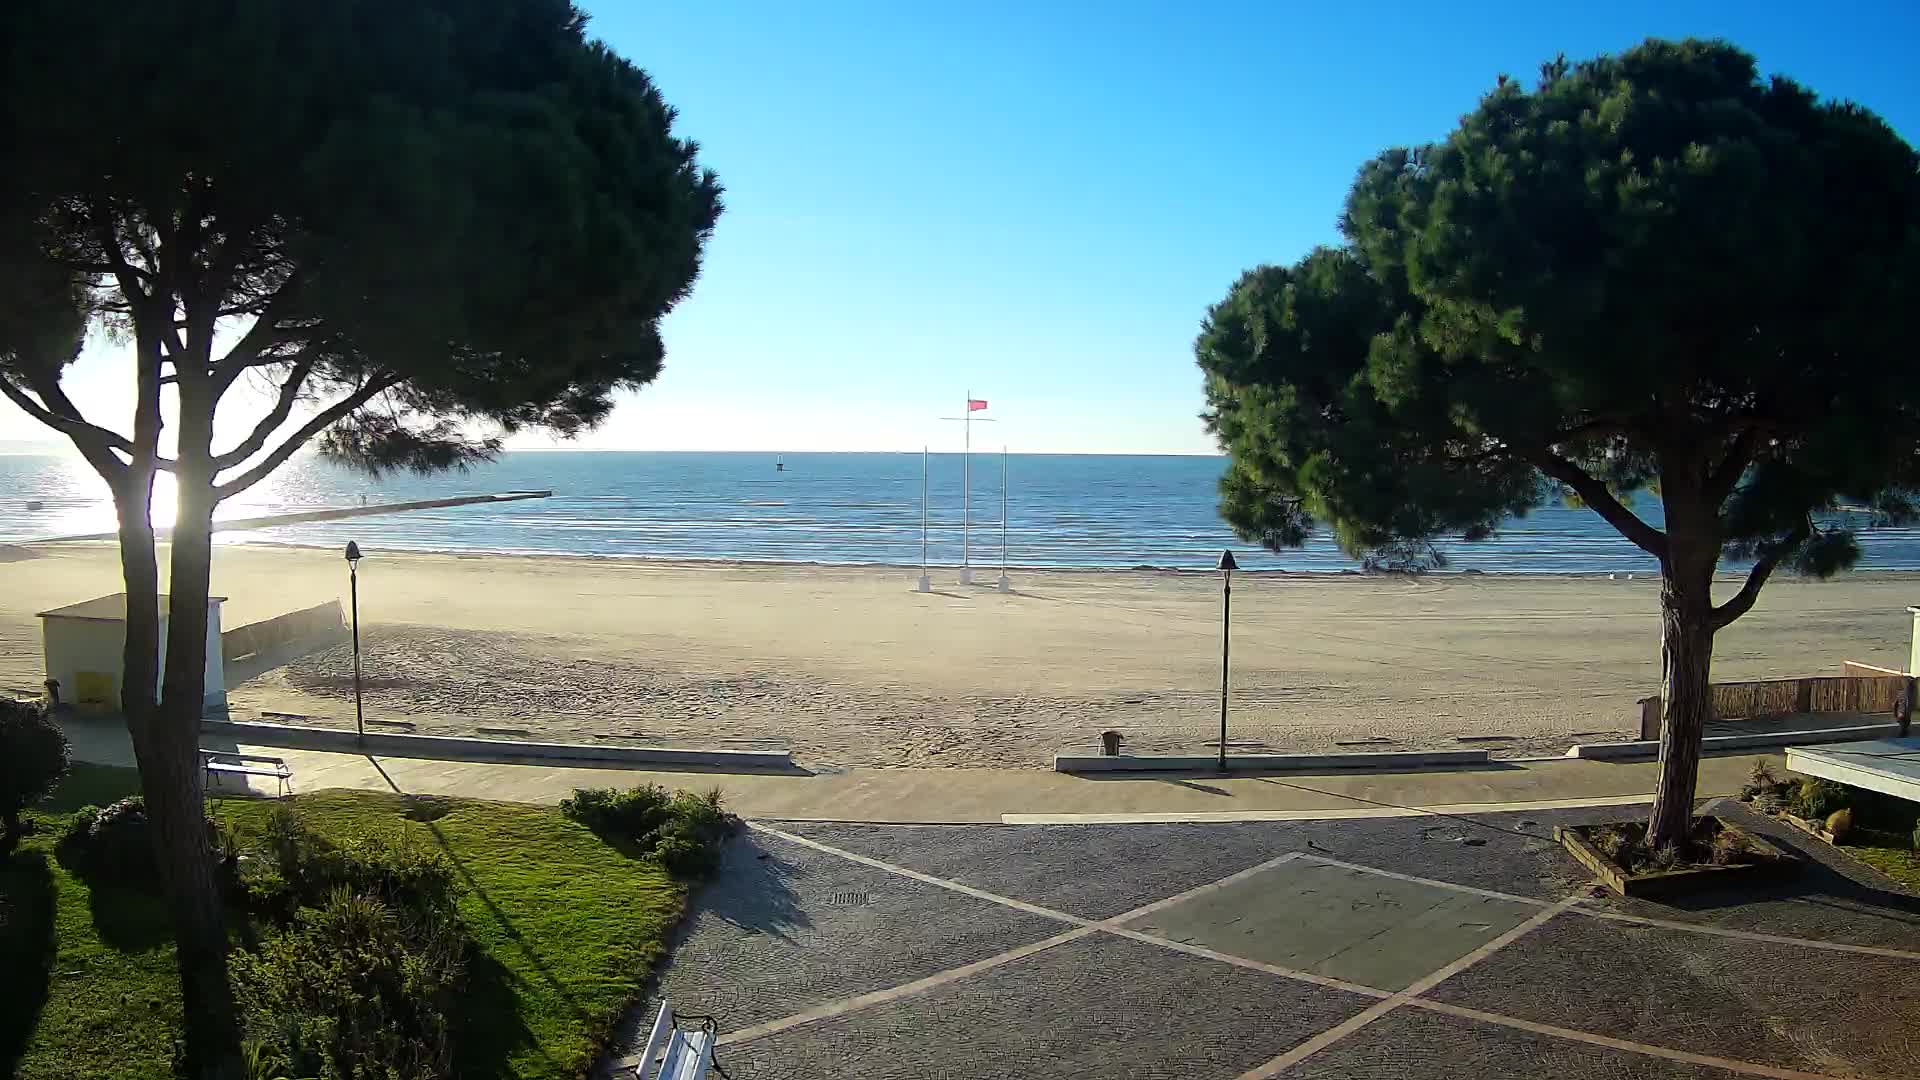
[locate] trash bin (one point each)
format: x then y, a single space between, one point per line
1110 743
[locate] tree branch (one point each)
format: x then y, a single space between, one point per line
263 334
1595 495
96 444
1742 602
1722 480
283 408
323 420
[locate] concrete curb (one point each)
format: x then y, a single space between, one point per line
461 749
1391 759
1643 749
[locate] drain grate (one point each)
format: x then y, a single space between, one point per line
849 899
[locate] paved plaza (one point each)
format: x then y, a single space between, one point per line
1395 948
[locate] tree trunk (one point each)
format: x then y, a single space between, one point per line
188 866
1686 695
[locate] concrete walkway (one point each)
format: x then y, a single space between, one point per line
975 796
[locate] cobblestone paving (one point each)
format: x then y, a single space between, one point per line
1775 1004
1097 1007
787 934
1414 1045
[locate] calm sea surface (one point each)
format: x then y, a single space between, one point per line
1091 511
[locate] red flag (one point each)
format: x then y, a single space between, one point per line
976 404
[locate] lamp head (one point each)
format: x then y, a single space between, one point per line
353 554
1226 562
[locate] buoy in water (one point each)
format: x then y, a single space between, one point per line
36 504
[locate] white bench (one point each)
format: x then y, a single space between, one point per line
688 1054
238 765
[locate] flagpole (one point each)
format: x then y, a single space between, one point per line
1005 585
926 583
966 484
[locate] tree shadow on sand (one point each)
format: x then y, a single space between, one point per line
26 950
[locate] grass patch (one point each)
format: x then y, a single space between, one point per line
567 926
1888 852
90 987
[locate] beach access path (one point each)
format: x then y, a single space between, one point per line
848 666
984 796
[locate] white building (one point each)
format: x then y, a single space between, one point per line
85 643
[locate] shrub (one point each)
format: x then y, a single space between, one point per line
111 845
1611 840
33 758
633 814
303 869
1815 799
1916 837
1760 782
1729 847
1666 857
683 830
1839 824
354 988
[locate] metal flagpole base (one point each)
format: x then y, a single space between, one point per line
926 584
966 575
1004 585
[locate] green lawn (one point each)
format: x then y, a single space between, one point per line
1888 852
568 930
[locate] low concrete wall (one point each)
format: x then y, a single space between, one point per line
321 622
461 749
1409 759
1650 748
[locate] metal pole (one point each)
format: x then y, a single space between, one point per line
1226 644
1004 584
359 714
966 484
925 583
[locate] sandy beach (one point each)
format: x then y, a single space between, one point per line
849 666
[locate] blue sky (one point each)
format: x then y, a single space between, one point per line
1036 202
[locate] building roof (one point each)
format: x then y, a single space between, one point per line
107 608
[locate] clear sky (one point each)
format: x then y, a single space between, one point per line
1035 202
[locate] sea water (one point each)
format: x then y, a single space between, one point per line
1062 511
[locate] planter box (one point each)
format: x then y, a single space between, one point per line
1811 828
1776 862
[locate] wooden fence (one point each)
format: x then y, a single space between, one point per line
1862 693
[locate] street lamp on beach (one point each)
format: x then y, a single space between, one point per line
353 578
1226 567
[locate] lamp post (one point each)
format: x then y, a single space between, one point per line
353 578
1226 567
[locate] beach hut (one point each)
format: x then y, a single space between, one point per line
84 643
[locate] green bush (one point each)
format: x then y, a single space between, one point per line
1916 838
112 845
1840 824
33 758
299 868
354 990
1816 799
632 814
683 830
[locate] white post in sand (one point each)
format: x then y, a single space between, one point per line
926 583
1005 585
966 486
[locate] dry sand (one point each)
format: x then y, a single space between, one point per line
849 666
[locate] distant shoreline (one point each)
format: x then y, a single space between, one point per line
984 571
